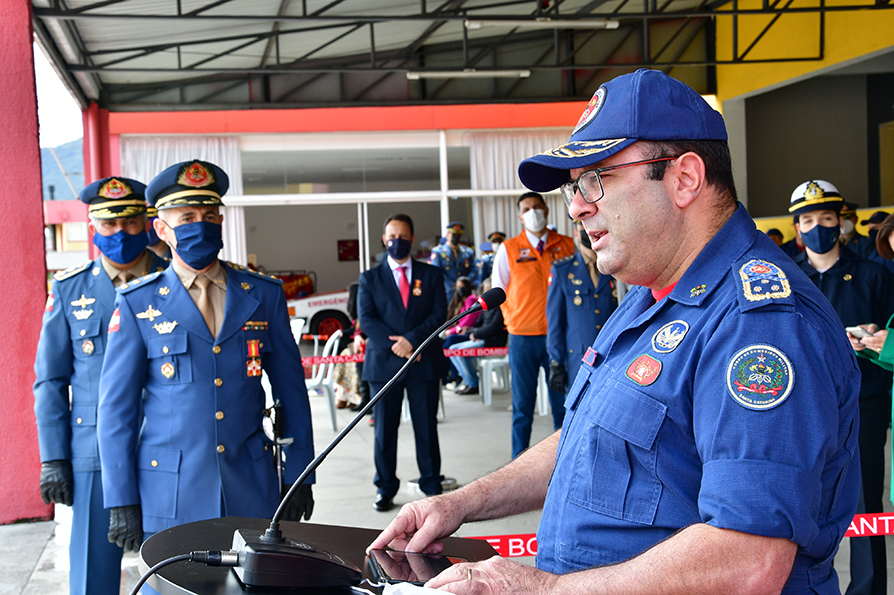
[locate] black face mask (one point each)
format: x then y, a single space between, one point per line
454 240
585 239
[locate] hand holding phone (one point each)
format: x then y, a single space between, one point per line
858 332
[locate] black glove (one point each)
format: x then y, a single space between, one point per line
57 482
126 527
301 504
558 377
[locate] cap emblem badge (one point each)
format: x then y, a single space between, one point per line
591 110
196 176
114 189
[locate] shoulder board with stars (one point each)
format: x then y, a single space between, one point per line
128 287
761 282
67 273
257 274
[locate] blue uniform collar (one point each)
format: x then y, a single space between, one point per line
712 264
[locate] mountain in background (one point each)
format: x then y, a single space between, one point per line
72 157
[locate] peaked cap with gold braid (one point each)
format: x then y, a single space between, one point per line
815 195
113 197
191 183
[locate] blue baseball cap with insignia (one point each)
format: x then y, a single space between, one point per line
191 183
113 197
643 105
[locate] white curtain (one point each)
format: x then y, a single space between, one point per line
494 164
144 157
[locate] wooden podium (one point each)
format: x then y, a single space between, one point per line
189 578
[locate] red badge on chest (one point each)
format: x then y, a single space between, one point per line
644 370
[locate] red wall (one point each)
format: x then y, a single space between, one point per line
23 267
436 117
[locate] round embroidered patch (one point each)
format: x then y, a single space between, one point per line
591 110
669 336
760 377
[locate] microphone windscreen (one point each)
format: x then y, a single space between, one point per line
492 298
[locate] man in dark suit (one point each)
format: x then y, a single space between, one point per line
400 303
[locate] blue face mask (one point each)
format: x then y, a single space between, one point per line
398 248
198 243
153 237
821 239
121 247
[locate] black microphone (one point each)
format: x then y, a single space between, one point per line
271 560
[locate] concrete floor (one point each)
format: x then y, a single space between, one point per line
474 440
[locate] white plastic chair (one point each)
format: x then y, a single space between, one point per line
489 365
323 379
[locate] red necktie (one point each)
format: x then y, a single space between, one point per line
540 247
404 286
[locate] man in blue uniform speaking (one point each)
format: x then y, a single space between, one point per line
69 356
710 438
194 342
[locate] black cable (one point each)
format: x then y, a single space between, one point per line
208 558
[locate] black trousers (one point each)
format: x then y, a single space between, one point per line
423 397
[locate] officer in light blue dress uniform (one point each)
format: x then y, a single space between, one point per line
69 358
484 265
454 259
198 450
575 313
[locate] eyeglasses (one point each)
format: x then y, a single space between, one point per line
589 183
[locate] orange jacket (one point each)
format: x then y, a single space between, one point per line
525 307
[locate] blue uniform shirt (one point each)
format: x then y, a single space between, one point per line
861 291
860 245
575 310
733 401
199 450
453 266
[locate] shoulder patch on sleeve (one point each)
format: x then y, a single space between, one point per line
763 283
760 377
62 275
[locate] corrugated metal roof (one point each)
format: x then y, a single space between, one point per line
206 54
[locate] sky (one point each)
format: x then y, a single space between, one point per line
57 112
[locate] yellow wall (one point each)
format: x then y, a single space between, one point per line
848 35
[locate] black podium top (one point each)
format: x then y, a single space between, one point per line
188 578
